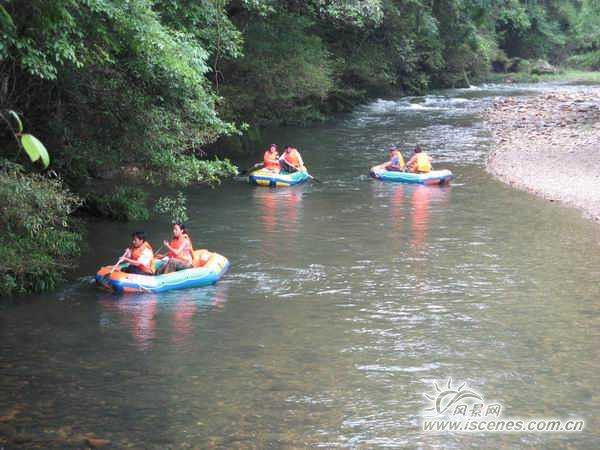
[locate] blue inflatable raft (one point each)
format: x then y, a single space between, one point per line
269 178
210 268
430 178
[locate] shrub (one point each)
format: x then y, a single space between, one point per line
37 238
587 61
126 203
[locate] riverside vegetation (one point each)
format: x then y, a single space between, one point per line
137 89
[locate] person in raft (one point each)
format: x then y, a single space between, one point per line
139 256
291 161
420 162
181 252
271 159
396 162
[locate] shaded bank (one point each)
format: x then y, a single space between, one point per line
548 145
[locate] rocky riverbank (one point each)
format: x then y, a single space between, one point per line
549 145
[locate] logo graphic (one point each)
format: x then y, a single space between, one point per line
464 410
449 397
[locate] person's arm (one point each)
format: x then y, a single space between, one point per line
127 258
185 251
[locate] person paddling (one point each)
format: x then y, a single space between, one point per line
271 159
291 161
139 256
420 162
181 253
396 162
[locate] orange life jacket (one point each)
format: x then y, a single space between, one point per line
292 158
270 161
422 163
136 253
177 244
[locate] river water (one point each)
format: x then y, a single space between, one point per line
345 301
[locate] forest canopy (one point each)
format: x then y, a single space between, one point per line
152 81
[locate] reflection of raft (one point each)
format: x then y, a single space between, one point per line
433 177
210 268
265 177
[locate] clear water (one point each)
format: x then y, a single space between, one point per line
345 301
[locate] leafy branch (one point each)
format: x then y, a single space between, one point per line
26 142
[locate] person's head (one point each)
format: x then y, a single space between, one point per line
178 229
418 149
138 238
273 148
288 149
393 148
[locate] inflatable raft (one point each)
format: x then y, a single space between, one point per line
209 268
429 178
266 177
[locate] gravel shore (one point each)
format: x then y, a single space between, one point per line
549 145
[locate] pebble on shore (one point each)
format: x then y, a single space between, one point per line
549 145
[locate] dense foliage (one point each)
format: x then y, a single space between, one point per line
106 82
37 239
125 203
303 59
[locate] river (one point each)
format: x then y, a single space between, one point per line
345 302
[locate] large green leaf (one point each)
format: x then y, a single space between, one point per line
35 149
15 116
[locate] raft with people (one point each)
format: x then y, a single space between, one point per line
209 267
430 178
280 171
417 170
269 178
139 269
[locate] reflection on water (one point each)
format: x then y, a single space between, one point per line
278 209
138 313
423 200
411 206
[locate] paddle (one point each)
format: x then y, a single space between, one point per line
313 178
306 172
157 252
118 262
253 168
